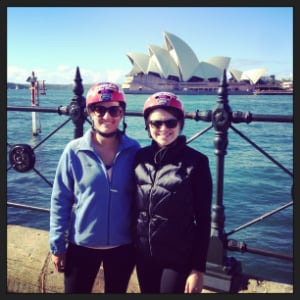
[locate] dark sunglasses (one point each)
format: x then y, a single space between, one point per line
172 123
114 111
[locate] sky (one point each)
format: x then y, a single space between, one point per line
54 41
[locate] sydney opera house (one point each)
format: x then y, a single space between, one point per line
175 67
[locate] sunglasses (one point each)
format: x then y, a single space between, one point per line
172 123
114 111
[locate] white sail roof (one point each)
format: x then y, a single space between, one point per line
253 75
139 61
160 59
236 74
182 54
221 62
176 58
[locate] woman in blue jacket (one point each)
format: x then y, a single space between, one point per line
91 202
173 203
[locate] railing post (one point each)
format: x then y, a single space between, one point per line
223 273
77 106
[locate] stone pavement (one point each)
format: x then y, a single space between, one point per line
30 269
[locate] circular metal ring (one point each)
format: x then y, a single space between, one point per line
22 157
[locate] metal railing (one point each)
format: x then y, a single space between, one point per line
223 273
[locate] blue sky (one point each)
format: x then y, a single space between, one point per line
53 41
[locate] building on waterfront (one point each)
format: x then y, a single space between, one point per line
175 67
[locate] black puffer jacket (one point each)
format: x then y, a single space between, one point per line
173 204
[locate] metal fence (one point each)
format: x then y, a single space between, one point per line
223 272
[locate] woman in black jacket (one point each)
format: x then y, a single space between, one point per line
173 203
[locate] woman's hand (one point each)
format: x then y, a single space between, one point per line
59 261
194 282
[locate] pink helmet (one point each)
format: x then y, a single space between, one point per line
103 92
161 100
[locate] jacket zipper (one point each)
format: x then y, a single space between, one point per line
109 180
149 213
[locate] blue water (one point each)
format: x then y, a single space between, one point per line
253 185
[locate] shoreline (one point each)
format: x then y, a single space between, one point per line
212 92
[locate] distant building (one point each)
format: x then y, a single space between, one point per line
175 67
287 85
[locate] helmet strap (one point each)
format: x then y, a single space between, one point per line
106 135
124 125
148 130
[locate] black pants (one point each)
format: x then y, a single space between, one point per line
82 266
155 277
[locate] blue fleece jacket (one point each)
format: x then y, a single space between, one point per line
87 208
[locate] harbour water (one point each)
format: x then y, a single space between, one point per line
253 185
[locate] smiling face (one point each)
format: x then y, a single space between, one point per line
162 127
103 120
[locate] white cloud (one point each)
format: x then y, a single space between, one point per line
64 68
17 75
64 75
115 76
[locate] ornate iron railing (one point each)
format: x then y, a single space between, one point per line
223 273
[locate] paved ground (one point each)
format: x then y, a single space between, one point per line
30 270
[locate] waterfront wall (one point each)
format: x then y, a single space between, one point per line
30 269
